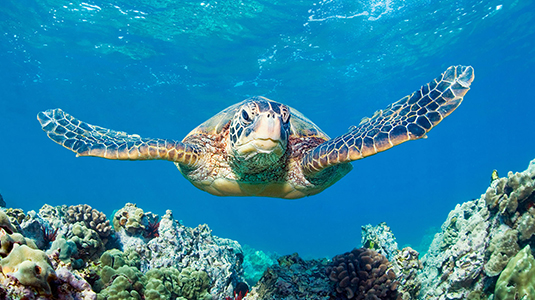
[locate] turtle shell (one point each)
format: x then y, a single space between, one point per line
300 125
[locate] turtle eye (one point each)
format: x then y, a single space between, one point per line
285 115
245 115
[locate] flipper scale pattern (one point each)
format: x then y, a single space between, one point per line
407 119
89 140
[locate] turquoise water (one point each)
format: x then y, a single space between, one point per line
160 68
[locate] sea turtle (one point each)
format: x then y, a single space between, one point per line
259 147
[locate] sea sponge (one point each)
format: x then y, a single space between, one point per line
363 274
31 267
92 218
516 280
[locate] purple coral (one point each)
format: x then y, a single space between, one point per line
363 274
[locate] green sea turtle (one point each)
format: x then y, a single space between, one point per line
260 147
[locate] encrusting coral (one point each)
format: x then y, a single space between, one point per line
363 274
28 273
131 218
517 279
31 267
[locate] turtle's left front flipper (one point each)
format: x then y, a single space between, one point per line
89 140
407 119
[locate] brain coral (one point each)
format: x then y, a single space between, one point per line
363 274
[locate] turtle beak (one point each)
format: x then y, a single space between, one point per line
267 136
268 130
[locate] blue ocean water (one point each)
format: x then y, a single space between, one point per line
159 68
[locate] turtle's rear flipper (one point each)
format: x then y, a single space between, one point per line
407 119
90 140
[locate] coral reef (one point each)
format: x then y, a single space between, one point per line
476 255
363 274
381 239
30 267
196 248
406 265
131 218
28 273
517 280
255 262
479 238
294 279
91 217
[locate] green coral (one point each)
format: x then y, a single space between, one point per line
115 264
30 266
115 258
120 289
7 241
195 284
162 284
516 280
86 239
120 278
67 248
130 217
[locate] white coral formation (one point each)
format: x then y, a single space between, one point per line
479 237
196 248
406 265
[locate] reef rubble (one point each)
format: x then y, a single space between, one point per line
482 251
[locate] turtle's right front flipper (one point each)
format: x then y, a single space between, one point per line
90 140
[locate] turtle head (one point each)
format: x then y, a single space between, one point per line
259 134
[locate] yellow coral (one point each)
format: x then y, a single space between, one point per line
30 266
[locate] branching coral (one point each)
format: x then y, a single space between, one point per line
363 274
91 217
